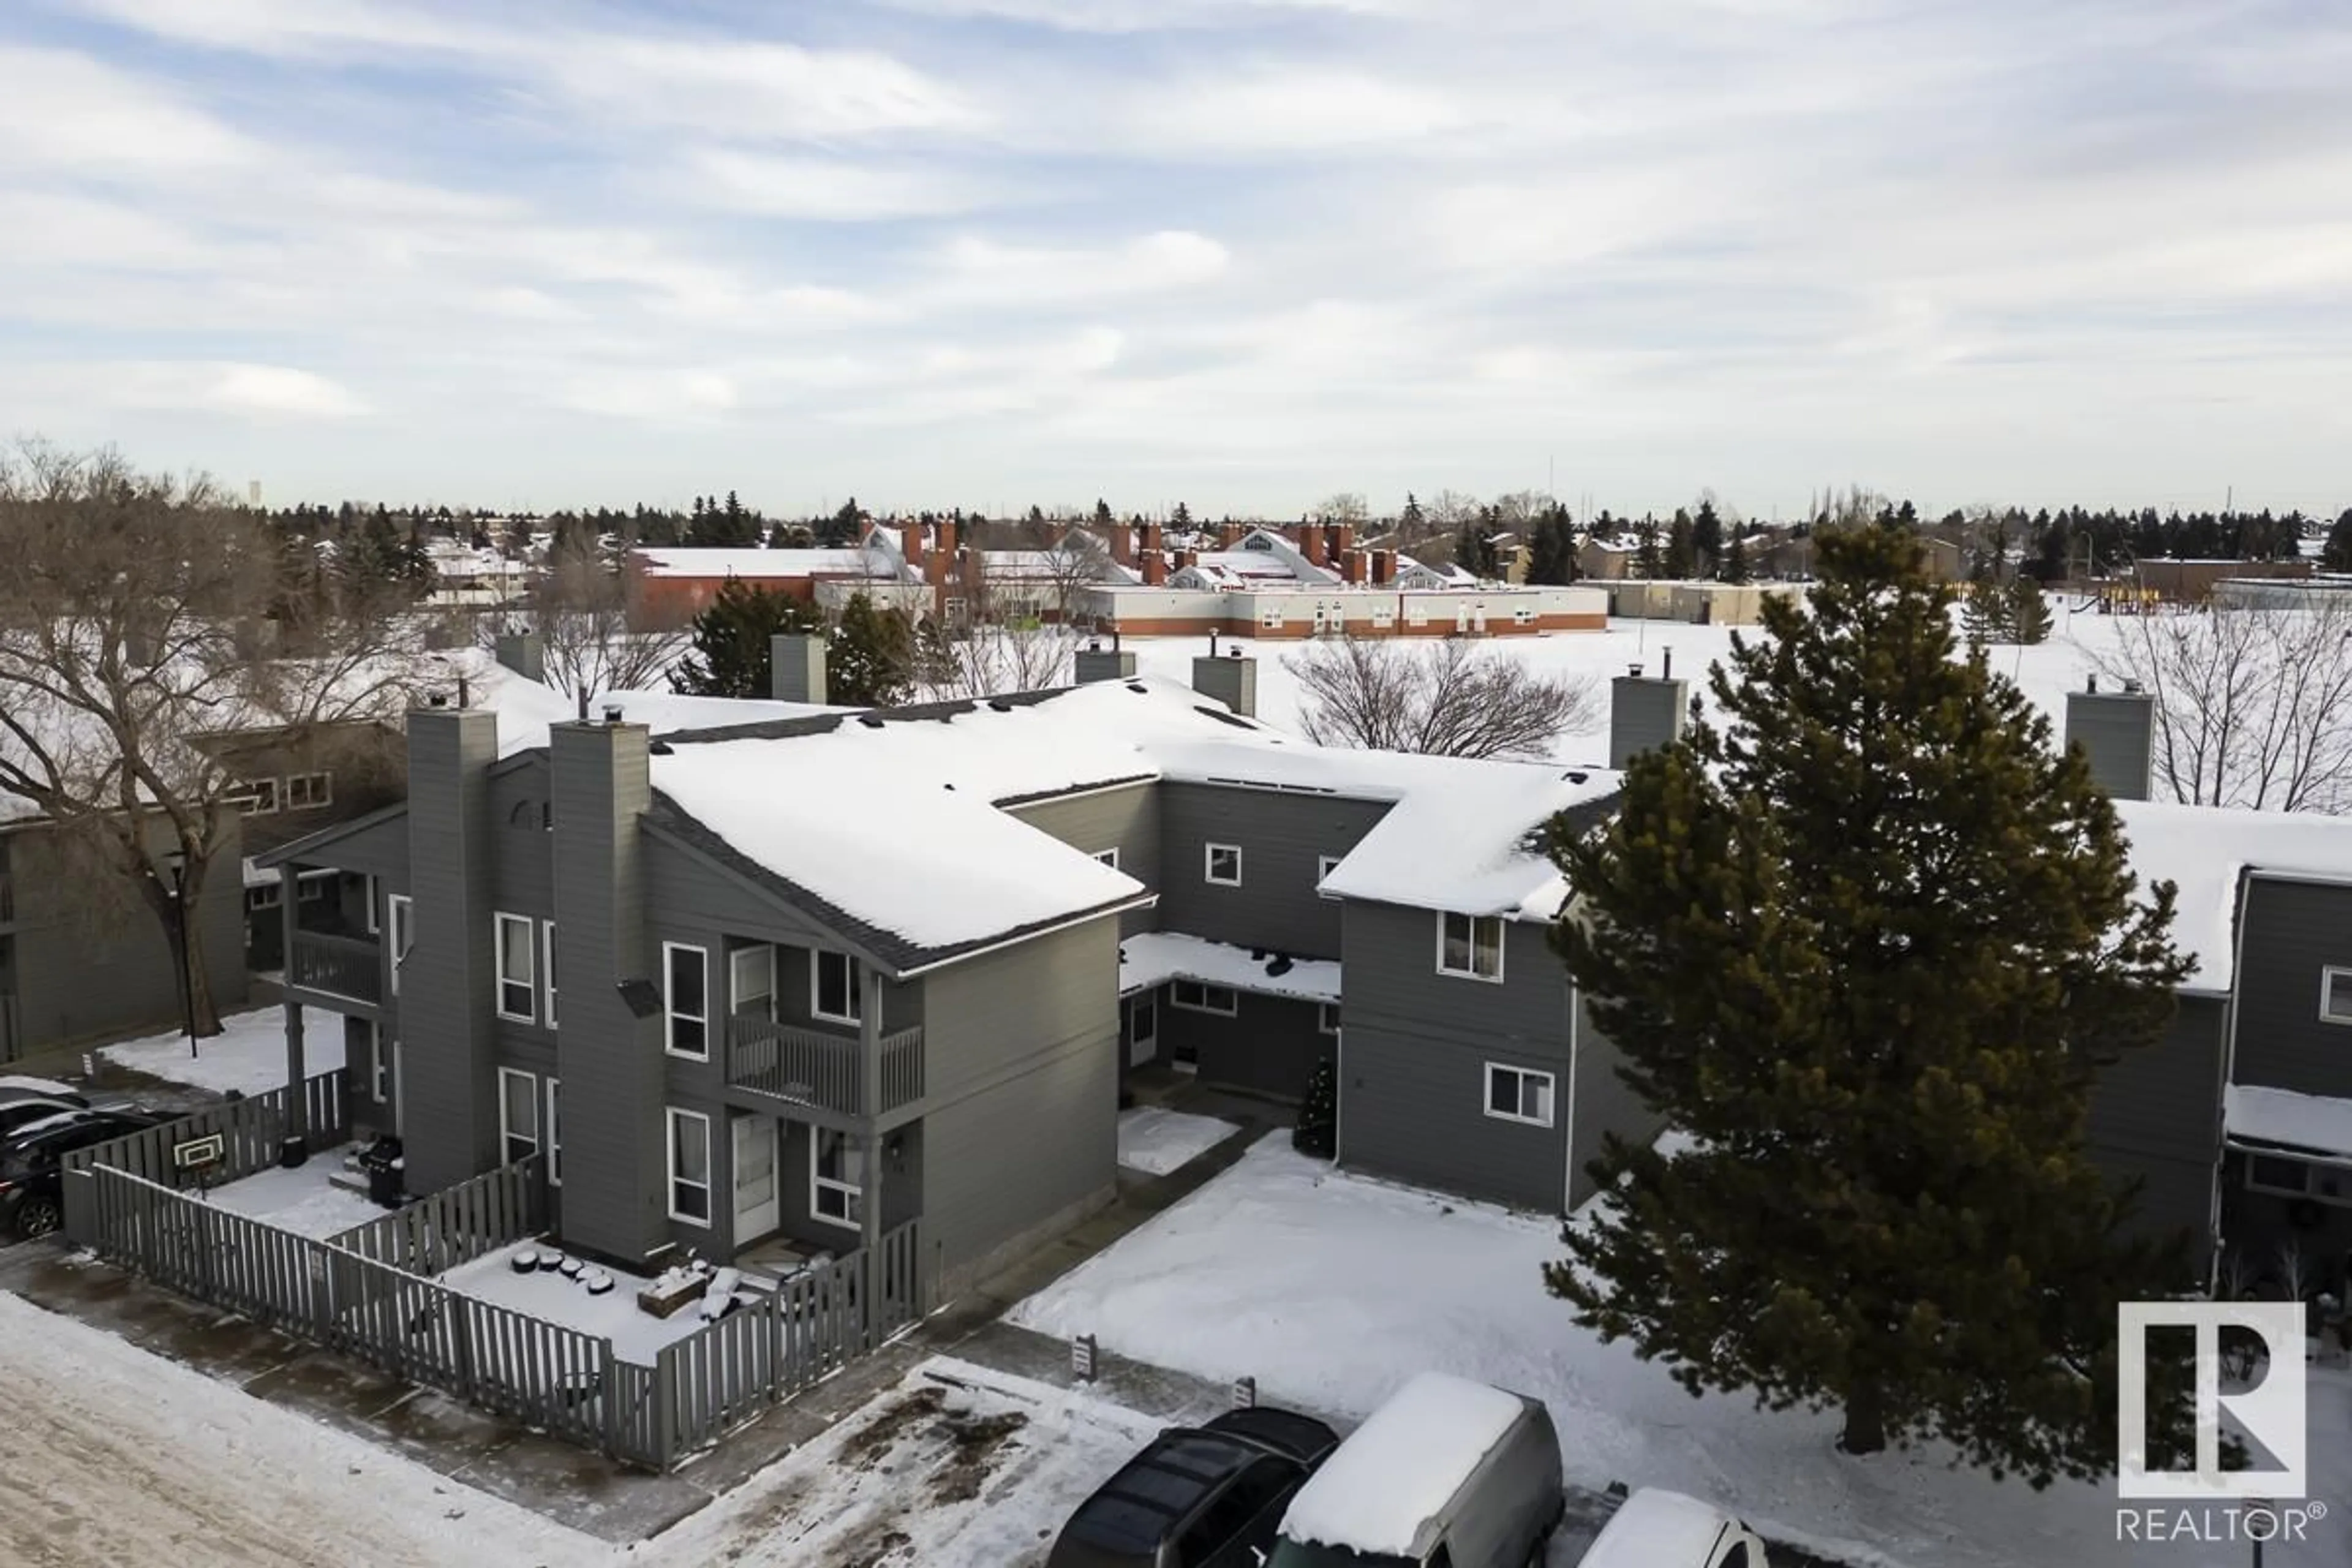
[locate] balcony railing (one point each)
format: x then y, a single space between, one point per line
812 1067
341 966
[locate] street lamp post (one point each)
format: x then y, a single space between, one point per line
178 861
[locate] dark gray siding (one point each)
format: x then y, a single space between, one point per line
2155 1118
2116 730
1126 819
1412 1090
523 848
380 849
1023 1048
1267 1046
1601 1103
1644 713
2291 931
445 985
91 958
1281 836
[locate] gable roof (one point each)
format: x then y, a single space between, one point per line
2207 851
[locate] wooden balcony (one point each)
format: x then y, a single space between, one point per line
809 1067
349 967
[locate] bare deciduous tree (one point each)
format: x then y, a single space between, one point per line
143 620
1004 644
1452 697
580 608
1346 506
2253 706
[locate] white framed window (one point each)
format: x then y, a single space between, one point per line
751 982
1470 946
2298 1179
1324 866
1517 1094
252 797
1416 614
256 899
554 1133
1222 865
2336 996
689 1165
837 1178
1383 617
307 792
316 886
1195 997
517 1115
1109 856
546 969
516 950
1521 614
374 913
1327 1017
400 922
685 1003
832 987
379 1064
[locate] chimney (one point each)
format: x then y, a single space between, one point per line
935 568
1155 569
1122 544
1384 566
1184 558
949 531
1096 662
614 1144
797 667
910 542
524 654
2116 731
1646 713
1343 540
1150 536
447 985
1229 534
1231 679
1353 566
1310 542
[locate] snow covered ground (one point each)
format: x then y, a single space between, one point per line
1332 1289
2046 672
637 1335
299 1200
1156 1141
249 1056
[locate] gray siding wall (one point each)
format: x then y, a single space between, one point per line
450 1083
1644 713
615 1076
1023 1079
1281 836
94 962
2291 931
1602 1103
1413 1083
2118 730
1127 819
1267 1046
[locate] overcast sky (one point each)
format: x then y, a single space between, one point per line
1239 253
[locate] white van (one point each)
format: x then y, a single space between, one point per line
1666 1530
1447 1474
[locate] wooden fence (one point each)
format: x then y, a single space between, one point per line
459 1224
252 1132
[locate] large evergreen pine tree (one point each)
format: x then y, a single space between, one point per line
731 654
1864 937
870 659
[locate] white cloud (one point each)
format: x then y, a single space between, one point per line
976 271
65 110
661 397
277 390
832 190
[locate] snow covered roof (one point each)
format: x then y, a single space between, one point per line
1153 958
1380 1493
1458 837
2207 850
2319 1124
1657 1529
752 563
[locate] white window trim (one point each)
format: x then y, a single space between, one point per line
552 1142
1551 1094
375 908
1501 940
530 982
267 896
1109 856
507 1134
1209 864
1327 1021
1324 866
735 978
326 796
2309 1189
827 1184
379 1065
817 955
247 798
396 905
547 972
1176 998
2327 977
670 1119
670 1014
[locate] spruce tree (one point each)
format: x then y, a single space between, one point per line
1984 608
2337 554
1680 561
731 654
1735 560
870 656
1865 938
2027 611
1647 561
1317 1133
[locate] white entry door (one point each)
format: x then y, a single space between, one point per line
758 1204
1142 1029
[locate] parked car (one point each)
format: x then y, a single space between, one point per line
1198 1496
32 1190
1666 1530
24 1099
1447 1474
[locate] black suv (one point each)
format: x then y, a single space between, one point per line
1199 1497
31 1164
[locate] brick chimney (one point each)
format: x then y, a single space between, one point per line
910 542
1229 534
1353 567
1384 566
1311 541
1343 540
1150 536
1155 569
1122 544
935 568
1185 558
948 530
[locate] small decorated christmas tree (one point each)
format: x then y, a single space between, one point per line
1317 1132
